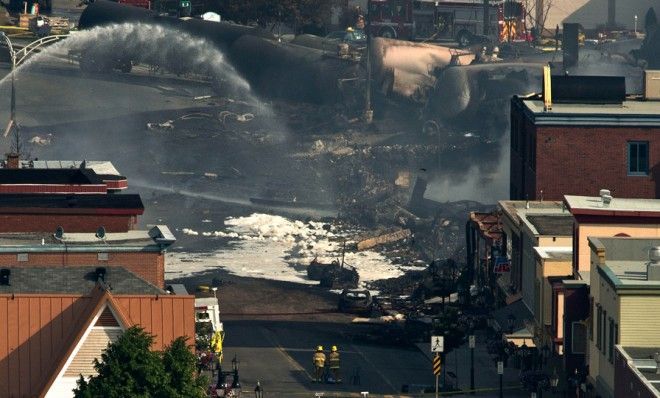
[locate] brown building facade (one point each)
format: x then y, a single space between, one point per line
577 149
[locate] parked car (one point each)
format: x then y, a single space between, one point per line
356 301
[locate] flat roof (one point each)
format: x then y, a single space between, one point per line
618 206
632 112
628 275
156 239
74 280
49 177
549 218
552 224
72 201
560 253
641 360
98 166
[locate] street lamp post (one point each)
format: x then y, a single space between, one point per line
12 109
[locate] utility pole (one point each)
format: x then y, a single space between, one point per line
368 112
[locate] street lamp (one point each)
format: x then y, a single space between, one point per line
635 25
258 391
236 383
12 112
554 380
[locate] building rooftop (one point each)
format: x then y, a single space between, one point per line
488 223
641 361
74 280
632 112
555 253
552 224
156 239
541 217
98 166
49 177
594 205
625 261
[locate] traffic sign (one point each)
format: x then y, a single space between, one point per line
472 341
437 364
437 343
500 367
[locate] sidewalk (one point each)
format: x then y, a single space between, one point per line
457 362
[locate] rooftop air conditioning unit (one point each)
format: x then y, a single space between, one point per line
652 85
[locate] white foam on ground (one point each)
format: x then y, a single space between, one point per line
274 247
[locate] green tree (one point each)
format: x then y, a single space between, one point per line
180 365
128 368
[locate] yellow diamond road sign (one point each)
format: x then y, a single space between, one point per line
437 365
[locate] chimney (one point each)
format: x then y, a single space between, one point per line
100 274
569 44
13 161
653 268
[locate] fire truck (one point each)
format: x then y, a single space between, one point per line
462 21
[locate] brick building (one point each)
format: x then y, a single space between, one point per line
80 196
59 319
578 148
74 213
140 252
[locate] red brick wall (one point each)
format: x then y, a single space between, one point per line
582 160
147 265
70 223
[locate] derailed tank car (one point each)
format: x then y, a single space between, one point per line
272 68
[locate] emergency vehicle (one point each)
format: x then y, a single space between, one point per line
462 21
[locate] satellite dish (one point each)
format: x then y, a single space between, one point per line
59 232
100 233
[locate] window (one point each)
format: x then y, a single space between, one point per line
599 336
102 256
591 319
22 257
638 158
610 346
604 330
578 338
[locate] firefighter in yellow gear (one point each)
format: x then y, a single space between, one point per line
319 364
333 359
216 345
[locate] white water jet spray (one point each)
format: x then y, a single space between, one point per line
155 45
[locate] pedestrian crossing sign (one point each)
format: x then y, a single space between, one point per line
437 364
437 343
